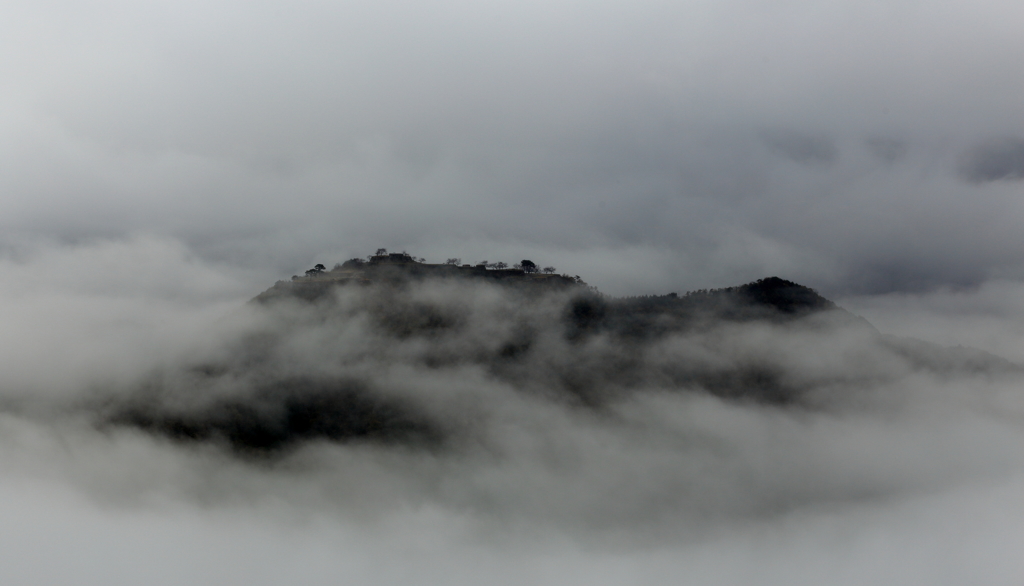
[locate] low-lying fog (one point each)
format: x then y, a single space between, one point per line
898 463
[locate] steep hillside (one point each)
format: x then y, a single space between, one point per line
402 353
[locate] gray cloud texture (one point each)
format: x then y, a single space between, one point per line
163 162
994 160
658 483
801 148
269 136
890 150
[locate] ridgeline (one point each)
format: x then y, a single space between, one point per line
327 366
769 298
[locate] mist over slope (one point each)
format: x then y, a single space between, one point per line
165 162
552 338
480 417
543 404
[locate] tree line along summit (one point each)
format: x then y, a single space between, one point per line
385 266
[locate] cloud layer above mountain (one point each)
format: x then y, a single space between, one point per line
164 162
524 452
860 146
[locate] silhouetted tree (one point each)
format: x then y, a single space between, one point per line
453 261
382 251
500 265
528 266
548 270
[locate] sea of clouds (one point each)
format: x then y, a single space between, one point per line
163 163
887 473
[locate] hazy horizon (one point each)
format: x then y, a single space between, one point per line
163 163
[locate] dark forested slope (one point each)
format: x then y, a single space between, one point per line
403 354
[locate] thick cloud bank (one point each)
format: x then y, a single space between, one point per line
164 162
995 160
868 147
446 431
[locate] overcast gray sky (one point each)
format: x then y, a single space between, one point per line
163 162
855 146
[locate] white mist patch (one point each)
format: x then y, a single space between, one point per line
107 312
562 453
969 535
989 316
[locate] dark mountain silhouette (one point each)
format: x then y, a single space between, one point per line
395 268
280 414
772 299
545 335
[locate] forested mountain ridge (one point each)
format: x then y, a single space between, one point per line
395 353
770 298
